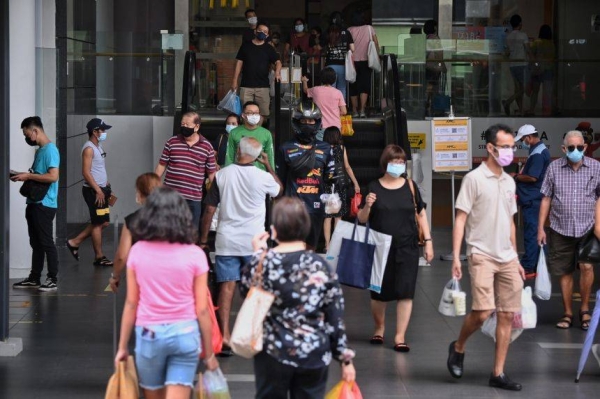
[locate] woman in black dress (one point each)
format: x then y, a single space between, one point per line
389 208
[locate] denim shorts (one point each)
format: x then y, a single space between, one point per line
228 268
167 354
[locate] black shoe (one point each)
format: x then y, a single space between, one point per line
29 282
225 351
503 382
455 361
48 286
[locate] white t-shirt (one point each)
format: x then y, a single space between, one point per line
516 41
241 191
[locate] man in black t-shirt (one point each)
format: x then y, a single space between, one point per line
253 61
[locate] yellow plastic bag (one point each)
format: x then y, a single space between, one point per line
344 390
347 129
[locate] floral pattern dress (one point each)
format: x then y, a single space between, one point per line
304 327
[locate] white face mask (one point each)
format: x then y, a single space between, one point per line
253 119
299 28
229 128
253 20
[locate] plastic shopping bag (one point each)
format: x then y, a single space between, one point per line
332 202
347 129
489 329
453 301
215 385
350 69
543 285
217 337
355 204
231 103
527 318
344 390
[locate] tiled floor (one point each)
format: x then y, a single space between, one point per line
68 340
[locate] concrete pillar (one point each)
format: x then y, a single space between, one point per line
105 37
182 25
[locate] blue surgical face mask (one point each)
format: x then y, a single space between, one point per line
525 145
575 156
261 36
102 136
396 169
229 128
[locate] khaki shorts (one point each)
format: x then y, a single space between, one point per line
562 253
495 285
260 95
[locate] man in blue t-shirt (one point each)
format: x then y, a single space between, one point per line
40 214
529 182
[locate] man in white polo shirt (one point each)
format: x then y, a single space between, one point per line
485 206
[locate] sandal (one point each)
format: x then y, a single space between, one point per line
401 347
565 322
74 250
103 261
585 324
376 340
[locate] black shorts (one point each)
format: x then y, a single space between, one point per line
363 79
98 215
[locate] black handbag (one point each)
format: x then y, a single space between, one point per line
589 249
34 191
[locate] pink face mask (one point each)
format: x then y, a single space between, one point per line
505 156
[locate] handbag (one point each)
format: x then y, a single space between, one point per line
420 233
350 69
356 260
34 191
217 337
347 129
247 336
355 204
123 384
372 54
589 251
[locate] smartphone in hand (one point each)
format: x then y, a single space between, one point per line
13 173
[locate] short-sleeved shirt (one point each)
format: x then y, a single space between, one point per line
336 54
165 275
241 191
361 35
300 43
257 60
187 166
46 158
264 137
516 41
536 166
489 202
220 146
329 100
573 195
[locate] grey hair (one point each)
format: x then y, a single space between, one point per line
250 146
572 133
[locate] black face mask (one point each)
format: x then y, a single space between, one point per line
306 134
30 142
186 131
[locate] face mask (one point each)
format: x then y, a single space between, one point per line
396 169
229 128
102 136
30 142
261 36
253 20
253 119
299 28
526 146
575 156
505 156
275 41
186 131
306 134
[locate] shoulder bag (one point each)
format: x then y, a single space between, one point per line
589 251
420 233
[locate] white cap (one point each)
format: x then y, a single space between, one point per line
525 130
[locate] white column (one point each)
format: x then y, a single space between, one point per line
182 25
105 43
22 104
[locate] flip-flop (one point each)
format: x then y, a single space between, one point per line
103 261
401 347
376 340
585 324
566 319
73 250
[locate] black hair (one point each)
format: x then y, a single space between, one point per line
249 11
249 103
263 23
232 115
515 21
532 135
429 27
299 19
318 29
194 115
358 18
336 18
415 30
545 32
32 121
333 136
328 76
276 33
491 134
166 217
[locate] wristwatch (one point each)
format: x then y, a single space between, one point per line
428 239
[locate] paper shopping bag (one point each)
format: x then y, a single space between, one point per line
123 384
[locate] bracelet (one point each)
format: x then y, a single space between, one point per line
428 239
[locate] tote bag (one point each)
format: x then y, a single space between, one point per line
247 336
372 54
350 69
356 260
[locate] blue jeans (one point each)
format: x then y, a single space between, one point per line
340 82
530 211
228 268
196 209
167 354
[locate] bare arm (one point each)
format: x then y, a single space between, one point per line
210 178
343 110
264 159
350 172
457 238
424 223
352 47
363 214
278 70
129 316
160 169
86 169
238 69
209 212
525 179
121 258
513 240
544 212
49 177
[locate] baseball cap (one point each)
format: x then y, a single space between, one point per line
97 123
525 130
585 127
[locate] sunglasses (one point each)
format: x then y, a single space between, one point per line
571 148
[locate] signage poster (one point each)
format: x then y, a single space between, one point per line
451 149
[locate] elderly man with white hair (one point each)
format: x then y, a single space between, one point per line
570 191
240 189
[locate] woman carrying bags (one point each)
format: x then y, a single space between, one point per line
391 207
304 329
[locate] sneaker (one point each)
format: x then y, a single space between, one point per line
503 382
363 115
49 285
355 115
29 282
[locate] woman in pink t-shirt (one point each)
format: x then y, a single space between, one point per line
329 100
167 299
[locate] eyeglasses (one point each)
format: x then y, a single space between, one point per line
507 147
571 148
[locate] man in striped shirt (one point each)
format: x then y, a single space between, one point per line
188 160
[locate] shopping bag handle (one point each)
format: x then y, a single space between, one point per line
366 231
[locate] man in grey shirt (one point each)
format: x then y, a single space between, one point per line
96 192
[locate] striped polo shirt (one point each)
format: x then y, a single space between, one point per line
187 166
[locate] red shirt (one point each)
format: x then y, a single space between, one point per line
187 166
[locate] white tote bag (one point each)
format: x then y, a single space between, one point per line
383 242
543 284
247 336
372 54
350 69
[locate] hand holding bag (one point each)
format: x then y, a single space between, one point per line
356 260
344 390
543 284
446 306
420 233
215 385
231 103
355 204
247 336
527 317
123 384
